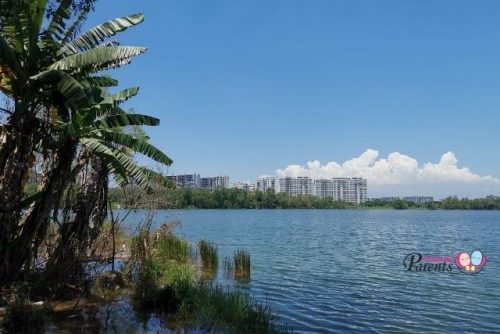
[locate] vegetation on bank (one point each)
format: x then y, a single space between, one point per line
168 277
240 199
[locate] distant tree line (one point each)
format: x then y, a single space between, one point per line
224 198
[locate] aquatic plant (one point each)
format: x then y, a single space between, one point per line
170 247
241 260
209 255
166 280
217 308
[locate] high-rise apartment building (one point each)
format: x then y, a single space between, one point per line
296 186
267 182
323 188
186 180
215 182
244 186
351 190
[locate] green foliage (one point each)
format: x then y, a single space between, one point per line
224 198
209 255
159 267
101 32
97 59
170 247
228 311
166 281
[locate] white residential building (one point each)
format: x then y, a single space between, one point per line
296 186
323 188
186 180
351 190
244 185
215 182
267 182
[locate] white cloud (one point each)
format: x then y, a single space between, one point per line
400 174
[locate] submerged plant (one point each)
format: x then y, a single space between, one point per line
241 263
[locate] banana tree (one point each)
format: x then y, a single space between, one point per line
91 136
45 70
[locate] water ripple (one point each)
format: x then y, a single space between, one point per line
341 270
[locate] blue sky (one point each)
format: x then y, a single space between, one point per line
245 88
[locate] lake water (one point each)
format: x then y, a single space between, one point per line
342 270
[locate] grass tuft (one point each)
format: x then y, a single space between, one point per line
167 281
241 263
222 310
209 255
170 247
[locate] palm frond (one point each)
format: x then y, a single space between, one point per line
126 120
120 163
99 33
98 59
98 81
136 145
72 90
37 11
69 34
121 96
100 149
57 24
12 13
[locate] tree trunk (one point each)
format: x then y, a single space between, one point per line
16 158
37 219
76 236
